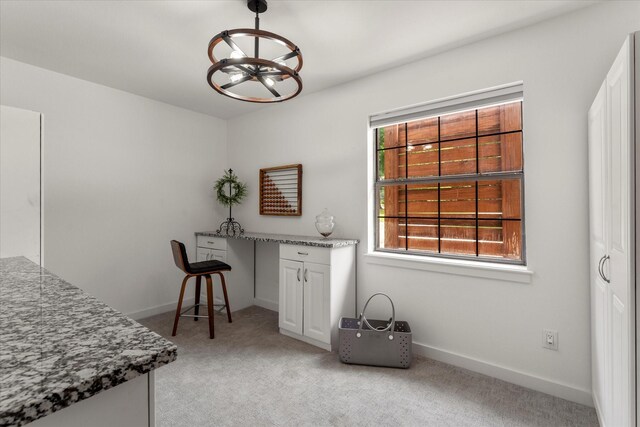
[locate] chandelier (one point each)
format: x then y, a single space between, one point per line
254 78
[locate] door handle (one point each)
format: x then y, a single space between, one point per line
298 274
600 267
604 277
305 274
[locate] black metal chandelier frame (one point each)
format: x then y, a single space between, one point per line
254 69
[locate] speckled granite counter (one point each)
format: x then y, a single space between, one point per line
286 239
59 345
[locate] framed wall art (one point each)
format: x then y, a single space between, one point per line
281 190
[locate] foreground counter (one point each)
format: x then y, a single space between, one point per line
67 359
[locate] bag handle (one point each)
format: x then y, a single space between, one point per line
363 320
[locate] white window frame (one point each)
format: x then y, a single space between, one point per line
481 267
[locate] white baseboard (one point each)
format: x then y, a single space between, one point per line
544 385
159 309
269 305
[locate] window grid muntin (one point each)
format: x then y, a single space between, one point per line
444 179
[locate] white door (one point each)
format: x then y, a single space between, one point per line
598 183
619 269
290 298
19 183
317 324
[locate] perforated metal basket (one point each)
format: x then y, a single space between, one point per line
375 342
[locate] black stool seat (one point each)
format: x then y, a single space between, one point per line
206 267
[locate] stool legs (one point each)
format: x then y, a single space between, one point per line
197 299
210 304
175 323
226 298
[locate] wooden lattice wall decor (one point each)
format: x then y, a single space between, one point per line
281 190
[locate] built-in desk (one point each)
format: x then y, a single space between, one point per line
316 279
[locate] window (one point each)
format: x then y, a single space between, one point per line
451 184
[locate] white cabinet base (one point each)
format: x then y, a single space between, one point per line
239 255
322 345
317 287
129 404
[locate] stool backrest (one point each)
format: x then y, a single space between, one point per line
180 255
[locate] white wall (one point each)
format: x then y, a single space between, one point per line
483 324
123 175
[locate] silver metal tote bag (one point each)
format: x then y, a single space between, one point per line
375 342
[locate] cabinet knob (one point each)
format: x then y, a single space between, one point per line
298 274
305 274
303 253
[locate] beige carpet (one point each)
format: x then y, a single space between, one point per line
250 375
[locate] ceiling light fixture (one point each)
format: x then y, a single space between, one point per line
252 78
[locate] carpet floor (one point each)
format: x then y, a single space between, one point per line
250 375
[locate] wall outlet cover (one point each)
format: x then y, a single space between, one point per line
550 339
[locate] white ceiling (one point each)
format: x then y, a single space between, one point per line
158 49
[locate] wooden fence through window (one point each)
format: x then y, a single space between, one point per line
464 190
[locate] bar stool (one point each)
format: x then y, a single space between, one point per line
198 270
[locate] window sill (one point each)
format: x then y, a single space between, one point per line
485 270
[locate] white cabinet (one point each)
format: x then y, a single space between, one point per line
129 404
612 241
317 287
239 280
206 254
211 248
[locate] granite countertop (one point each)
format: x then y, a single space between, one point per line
59 345
285 238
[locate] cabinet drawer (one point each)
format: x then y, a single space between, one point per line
211 242
306 253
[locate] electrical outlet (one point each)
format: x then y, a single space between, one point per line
550 339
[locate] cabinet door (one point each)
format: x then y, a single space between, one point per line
217 255
205 254
598 184
618 268
317 308
290 298
202 254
